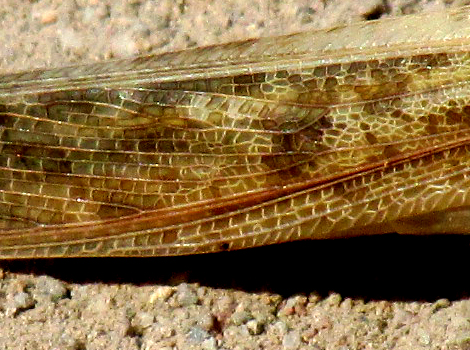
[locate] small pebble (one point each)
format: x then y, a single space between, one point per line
209 344
314 298
50 288
23 301
206 321
440 304
291 340
334 299
424 338
295 304
240 317
197 335
161 294
143 320
186 295
17 302
254 327
280 327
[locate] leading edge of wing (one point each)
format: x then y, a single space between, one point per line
414 34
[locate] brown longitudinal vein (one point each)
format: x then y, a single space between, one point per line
355 130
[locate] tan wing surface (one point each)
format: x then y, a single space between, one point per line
313 135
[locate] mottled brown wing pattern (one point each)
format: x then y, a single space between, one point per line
238 145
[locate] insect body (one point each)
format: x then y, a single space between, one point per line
355 130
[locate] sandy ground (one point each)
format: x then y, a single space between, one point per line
366 293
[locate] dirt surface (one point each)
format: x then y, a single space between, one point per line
367 293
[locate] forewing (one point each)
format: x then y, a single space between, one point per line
213 152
